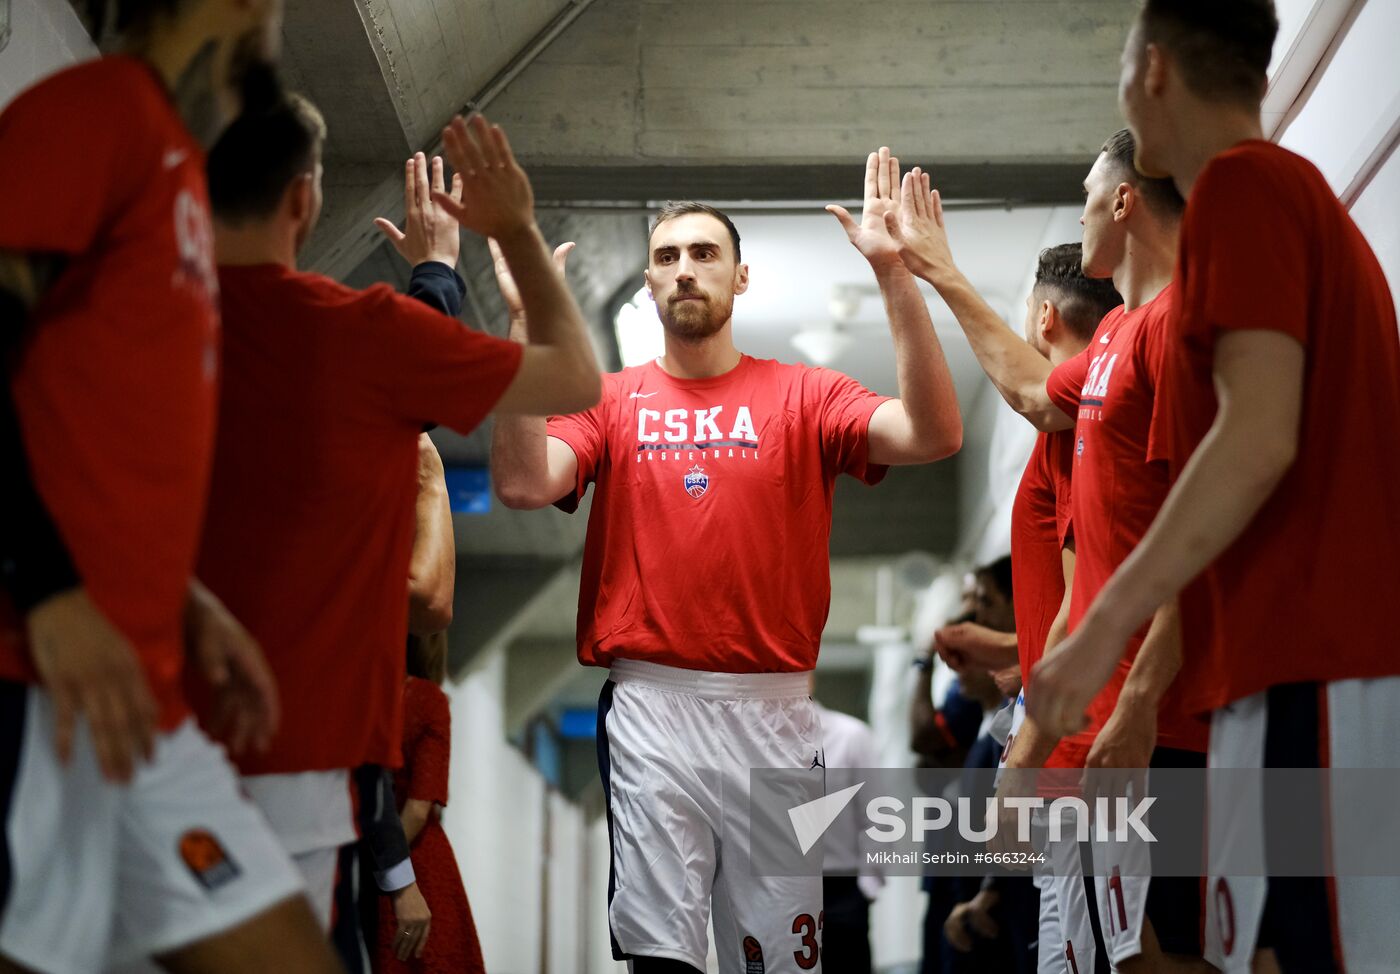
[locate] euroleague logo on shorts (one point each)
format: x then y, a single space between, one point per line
697 481
753 957
206 859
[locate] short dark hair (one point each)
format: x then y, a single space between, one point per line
1222 46
260 154
674 208
999 572
1161 195
1081 301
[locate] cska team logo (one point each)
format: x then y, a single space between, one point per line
697 481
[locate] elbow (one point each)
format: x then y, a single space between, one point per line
437 615
429 612
950 443
942 444
518 497
1046 419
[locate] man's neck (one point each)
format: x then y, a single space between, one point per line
1149 259
255 243
1208 132
703 359
1064 351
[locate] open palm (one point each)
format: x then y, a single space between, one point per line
871 236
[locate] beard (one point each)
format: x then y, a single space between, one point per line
694 321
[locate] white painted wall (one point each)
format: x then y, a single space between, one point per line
1352 109
45 36
495 820
1377 213
1349 126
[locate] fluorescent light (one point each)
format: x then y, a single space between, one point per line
640 337
821 347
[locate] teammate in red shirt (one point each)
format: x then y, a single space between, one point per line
1130 226
705 579
325 391
1283 381
106 247
1063 311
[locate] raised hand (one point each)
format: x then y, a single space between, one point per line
229 659
871 236
918 229
510 293
429 232
496 199
91 670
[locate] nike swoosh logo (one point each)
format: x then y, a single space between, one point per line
173 157
1104 339
641 395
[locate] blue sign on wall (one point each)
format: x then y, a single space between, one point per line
469 490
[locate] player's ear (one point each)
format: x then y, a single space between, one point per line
300 197
1124 199
646 276
741 278
1049 321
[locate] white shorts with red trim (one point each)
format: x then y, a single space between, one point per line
1313 923
675 748
101 874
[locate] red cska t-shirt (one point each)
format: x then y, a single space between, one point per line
115 390
1040 528
311 513
1303 593
707 543
1118 484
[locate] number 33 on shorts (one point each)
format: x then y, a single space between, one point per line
808 930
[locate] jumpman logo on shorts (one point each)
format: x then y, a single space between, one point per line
817 761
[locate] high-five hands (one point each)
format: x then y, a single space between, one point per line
510 292
871 236
918 230
429 231
496 198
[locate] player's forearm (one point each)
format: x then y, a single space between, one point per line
432 568
519 451
925 385
1157 663
555 322
1032 746
1221 489
1016 369
520 462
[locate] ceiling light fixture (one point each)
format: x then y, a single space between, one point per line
822 346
